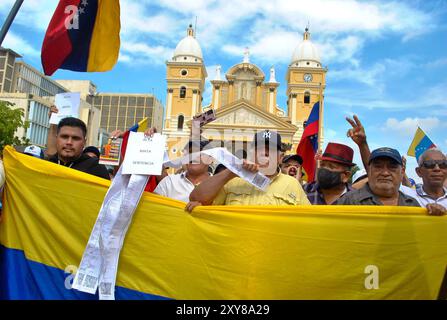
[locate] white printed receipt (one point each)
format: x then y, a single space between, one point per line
144 155
234 164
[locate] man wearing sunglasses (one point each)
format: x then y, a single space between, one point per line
433 171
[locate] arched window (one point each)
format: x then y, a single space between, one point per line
182 92
306 97
180 121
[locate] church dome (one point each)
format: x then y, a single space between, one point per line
188 49
306 54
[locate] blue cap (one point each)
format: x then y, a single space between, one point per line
386 153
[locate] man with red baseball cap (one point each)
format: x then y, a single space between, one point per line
332 175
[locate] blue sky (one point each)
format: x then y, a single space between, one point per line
387 60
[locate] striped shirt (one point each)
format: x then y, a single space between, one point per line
422 197
315 195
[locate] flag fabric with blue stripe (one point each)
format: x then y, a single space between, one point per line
83 35
421 142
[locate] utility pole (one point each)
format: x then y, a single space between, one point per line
9 20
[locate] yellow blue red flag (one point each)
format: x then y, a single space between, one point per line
83 35
420 143
217 252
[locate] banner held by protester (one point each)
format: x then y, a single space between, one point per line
232 252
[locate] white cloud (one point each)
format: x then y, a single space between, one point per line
271 29
330 134
408 126
377 75
436 63
271 48
20 45
124 58
328 16
432 99
370 76
32 14
138 53
339 49
136 20
208 94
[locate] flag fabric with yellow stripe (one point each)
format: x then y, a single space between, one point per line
83 35
217 252
420 143
141 126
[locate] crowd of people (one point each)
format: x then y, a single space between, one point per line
383 181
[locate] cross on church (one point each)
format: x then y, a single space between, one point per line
247 55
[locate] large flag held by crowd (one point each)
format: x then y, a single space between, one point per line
308 146
217 252
420 143
83 35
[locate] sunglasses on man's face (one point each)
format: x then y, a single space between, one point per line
431 164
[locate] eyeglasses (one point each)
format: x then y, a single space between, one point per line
431 164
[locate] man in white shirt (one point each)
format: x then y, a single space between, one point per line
433 171
179 186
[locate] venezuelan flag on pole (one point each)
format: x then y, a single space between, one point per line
421 142
83 35
308 145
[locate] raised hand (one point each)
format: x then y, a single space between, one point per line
318 155
116 134
150 132
357 132
404 163
53 109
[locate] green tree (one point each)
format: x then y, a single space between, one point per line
10 120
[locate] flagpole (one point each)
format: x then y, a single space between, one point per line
9 20
320 118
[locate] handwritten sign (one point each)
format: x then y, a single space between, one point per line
144 155
68 105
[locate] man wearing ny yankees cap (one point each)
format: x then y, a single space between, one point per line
225 188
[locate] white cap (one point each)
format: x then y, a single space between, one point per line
34 151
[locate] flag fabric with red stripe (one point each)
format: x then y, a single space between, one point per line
83 35
308 146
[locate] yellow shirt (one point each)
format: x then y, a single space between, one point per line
283 190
